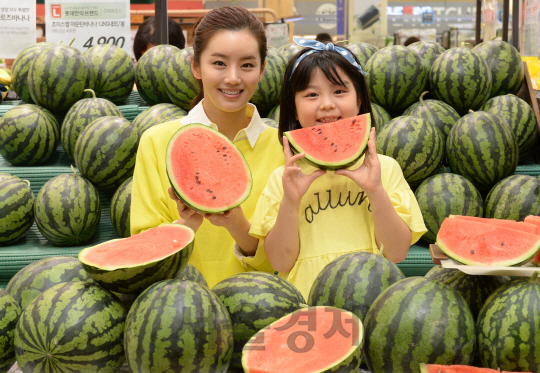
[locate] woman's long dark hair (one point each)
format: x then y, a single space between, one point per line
328 62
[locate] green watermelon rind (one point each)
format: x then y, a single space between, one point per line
10 311
136 278
178 191
350 362
16 208
328 165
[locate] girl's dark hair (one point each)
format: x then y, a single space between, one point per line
146 34
328 62
227 18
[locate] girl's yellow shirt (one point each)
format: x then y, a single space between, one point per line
214 249
334 217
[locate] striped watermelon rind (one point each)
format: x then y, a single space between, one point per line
513 198
180 84
84 323
418 320
482 148
16 208
191 330
429 51
105 151
67 210
157 114
134 279
80 115
121 207
113 70
416 144
29 135
362 51
21 67
191 273
274 114
290 50
43 274
380 115
10 312
443 195
268 92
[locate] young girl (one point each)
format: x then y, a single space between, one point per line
229 54
308 217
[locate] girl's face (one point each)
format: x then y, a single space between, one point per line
230 69
324 102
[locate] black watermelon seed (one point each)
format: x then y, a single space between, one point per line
335 150
224 147
472 251
326 138
198 182
354 121
214 197
332 144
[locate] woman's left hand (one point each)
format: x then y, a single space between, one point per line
368 175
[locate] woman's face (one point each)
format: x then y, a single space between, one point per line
230 69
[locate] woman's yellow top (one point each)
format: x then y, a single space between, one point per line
214 251
334 217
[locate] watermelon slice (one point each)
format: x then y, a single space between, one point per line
130 265
332 146
533 219
434 368
309 340
519 225
206 170
482 244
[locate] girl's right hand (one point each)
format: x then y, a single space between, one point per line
295 182
190 217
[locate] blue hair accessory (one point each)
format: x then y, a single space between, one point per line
317 46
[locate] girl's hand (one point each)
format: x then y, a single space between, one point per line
228 219
190 217
295 182
368 175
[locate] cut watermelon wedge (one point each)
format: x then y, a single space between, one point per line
130 265
533 219
477 243
332 146
206 170
433 368
519 225
314 339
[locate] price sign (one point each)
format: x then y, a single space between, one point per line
17 26
89 23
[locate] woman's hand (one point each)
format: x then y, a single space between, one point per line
188 217
295 182
227 219
368 175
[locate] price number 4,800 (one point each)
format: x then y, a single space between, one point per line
103 40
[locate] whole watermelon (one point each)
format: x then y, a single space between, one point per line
58 77
255 300
80 115
443 195
181 85
43 274
274 114
191 273
29 135
114 72
461 78
191 330
121 207
396 77
429 51
105 151
268 92
290 50
482 148
418 320
16 208
151 73
21 67
509 328
67 210
84 323
380 115
157 114
9 315
437 112
474 289
519 115
513 198
506 67
362 51
353 281
416 144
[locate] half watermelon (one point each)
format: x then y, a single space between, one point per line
434 368
533 219
315 339
130 265
484 243
206 170
332 146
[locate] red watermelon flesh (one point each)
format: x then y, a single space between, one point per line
146 247
335 145
476 243
533 219
206 170
434 368
519 225
279 348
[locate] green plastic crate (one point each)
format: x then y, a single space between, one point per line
418 261
528 167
